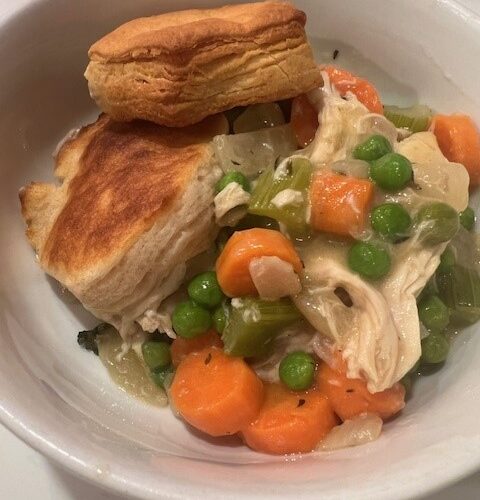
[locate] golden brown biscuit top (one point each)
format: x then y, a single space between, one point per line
182 31
128 175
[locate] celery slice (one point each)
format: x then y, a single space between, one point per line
459 289
416 118
254 323
297 178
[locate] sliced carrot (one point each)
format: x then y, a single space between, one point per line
459 140
232 265
350 397
216 393
290 422
304 120
339 204
344 82
181 347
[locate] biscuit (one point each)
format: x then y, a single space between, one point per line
135 203
177 68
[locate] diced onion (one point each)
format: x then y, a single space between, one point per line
254 151
352 168
360 430
259 116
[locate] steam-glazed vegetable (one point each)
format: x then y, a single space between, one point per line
304 120
252 152
435 348
297 370
156 354
189 319
459 140
281 194
467 218
205 290
233 176
373 148
416 119
369 260
216 393
433 313
182 347
447 260
290 422
233 264
391 172
254 323
339 204
259 116
350 397
436 223
459 289
391 221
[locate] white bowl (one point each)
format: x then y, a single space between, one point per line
58 398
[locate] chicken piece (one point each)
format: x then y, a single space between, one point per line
343 124
437 178
274 278
355 315
230 204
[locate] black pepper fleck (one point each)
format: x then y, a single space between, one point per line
208 358
335 54
301 402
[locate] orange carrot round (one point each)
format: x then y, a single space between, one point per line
232 265
216 393
459 140
350 397
182 347
290 422
304 120
344 82
339 204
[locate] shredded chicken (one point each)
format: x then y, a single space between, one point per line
230 204
287 197
365 332
344 122
379 331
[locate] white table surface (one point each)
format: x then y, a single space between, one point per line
25 474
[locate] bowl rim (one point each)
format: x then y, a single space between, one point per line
70 460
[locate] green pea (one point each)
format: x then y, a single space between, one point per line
447 260
297 370
233 176
205 290
373 148
162 376
156 354
190 320
369 260
433 313
437 223
467 218
219 319
391 221
392 172
435 348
